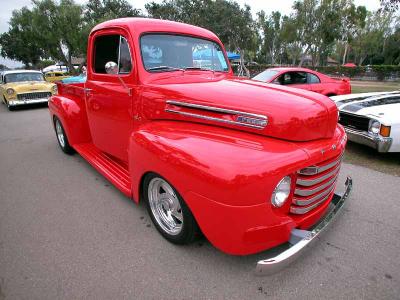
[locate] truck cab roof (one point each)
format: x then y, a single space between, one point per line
142 25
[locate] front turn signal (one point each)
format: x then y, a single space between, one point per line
385 131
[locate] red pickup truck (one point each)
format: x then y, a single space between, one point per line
249 164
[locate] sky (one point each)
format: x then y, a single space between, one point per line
283 6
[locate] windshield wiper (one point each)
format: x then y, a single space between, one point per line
164 68
198 68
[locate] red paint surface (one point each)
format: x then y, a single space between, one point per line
225 173
328 86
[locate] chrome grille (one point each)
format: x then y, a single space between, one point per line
354 121
33 96
314 185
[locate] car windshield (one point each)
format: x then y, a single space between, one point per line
167 52
18 77
266 75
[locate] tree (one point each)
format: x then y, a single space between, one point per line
390 5
371 40
20 42
64 27
392 51
271 41
233 24
97 11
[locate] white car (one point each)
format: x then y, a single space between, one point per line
371 119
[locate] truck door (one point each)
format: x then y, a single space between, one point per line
110 92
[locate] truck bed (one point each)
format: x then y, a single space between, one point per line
71 90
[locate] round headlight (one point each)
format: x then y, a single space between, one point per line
54 89
374 126
10 91
281 192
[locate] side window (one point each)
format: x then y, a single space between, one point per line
125 63
113 48
313 78
299 77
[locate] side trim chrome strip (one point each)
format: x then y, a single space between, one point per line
305 192
310 182
216 109
208 118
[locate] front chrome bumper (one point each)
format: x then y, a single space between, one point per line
25 102
381 144
301 239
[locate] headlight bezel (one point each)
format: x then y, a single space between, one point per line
374 126
54 89
281 192
10 92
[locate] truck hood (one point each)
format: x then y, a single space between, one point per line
248 105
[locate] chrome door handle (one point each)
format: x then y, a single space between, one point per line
87 91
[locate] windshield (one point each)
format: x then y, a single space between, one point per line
18 77
167 52
266 75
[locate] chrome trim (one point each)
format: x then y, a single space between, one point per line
320 169
24 102
310 182
304 192
304 210
301 239
31 95
261 118
216 109
304 202
376 141
208 118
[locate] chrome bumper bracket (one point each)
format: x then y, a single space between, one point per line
301 239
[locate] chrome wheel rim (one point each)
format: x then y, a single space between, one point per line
165 206
60 134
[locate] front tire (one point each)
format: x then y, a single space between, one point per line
10 107
168 211
62 137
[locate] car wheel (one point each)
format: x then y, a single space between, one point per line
10 107
62 137
168 211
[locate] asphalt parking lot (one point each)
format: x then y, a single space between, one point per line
67 233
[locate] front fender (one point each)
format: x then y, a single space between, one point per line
226 177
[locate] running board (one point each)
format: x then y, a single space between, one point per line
114 171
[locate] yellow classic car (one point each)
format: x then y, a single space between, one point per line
54 76
22 87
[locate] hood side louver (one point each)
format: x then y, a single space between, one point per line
217 114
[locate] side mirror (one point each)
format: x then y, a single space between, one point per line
111 68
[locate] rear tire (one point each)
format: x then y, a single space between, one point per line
168 211
62 137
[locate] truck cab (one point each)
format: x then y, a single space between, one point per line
162 116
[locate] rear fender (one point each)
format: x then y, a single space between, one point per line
72 114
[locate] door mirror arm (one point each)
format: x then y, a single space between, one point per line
112 68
